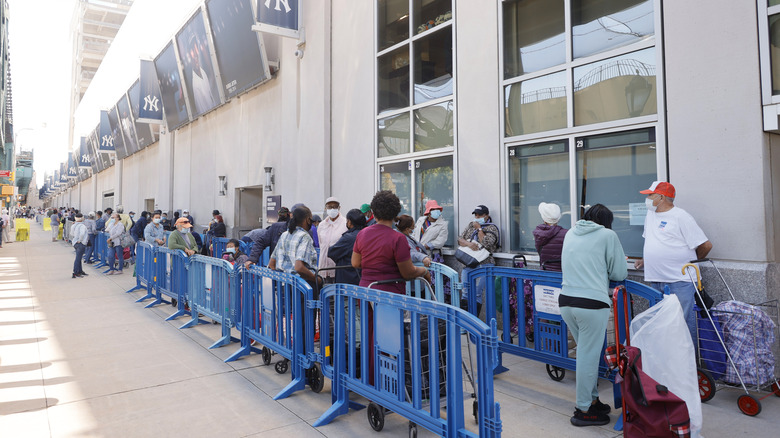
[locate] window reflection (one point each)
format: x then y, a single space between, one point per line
534 37
392 22
433 180
433 66
536 105
616 88
397 177
433 127
537 173
611 169
393 138
431 13
599 25
393 80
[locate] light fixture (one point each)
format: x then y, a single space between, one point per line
222 185
269 179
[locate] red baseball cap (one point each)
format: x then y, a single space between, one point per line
662 188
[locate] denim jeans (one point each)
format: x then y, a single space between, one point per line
685 291
90 249
116 254
79 254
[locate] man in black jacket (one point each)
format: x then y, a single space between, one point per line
341 251
270 238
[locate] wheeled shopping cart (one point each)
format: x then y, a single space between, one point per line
736 345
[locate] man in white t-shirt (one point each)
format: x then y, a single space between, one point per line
672 239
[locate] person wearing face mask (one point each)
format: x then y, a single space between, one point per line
341 251
182 238
115 251
154 232
672 239
405 225
431 230
480 233
80 238
294 252
548 237
328 233
92 231
233 253
366 210
165 222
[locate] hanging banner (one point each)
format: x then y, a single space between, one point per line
84 162
72 172
105 138
279 17
149 100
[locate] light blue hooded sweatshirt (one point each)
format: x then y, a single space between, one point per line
591 257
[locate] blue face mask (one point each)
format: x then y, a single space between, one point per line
480 220
230 250
435 214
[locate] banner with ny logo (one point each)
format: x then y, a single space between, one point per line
105 138
84 160
150 108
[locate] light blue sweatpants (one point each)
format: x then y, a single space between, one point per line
588 327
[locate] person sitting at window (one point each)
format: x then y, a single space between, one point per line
548 237
405 225
431 230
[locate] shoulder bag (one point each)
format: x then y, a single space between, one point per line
471 258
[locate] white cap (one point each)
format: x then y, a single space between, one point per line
332 199
185 211
551 213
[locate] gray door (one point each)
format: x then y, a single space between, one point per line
149 205
249 210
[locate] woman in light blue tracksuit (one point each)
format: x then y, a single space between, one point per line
591 257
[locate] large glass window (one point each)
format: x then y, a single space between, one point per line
615 88
536 105
611 170
537 173
774 50
415 103
433 180
600 25
534 36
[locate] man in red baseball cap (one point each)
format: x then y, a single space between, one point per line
672 239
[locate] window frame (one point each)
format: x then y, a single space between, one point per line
411 156
657 121
765 12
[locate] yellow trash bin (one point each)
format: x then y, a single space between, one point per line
47 224
59 235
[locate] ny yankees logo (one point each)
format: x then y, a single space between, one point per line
150 103
284 2
85 158
107 141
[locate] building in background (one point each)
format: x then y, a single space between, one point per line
6 112
504 103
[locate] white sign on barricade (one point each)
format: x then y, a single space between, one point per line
546 299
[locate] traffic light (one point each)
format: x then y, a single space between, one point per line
13 176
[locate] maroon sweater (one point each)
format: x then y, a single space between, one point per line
549 243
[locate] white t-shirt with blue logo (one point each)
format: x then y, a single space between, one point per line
671 239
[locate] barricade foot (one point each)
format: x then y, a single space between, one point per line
177 314
143 298
191 323
338 408
241 352
135 289
156 302
297 384
221 342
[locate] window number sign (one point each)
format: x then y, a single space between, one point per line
512 152
416 164
580 144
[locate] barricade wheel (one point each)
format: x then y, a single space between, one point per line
706 385
776 389
376 416
316 379
281 366
266 356
749 405
412 430
555 373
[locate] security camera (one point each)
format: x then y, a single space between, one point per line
299 54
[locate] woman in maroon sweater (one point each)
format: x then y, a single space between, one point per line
548 237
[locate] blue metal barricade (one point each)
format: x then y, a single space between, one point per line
218 245
172 280
278 312
445 282
144 270
101 249
246 248
214 291
413 336
550 343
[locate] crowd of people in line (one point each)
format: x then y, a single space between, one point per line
375 243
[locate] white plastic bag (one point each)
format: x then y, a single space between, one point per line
668 356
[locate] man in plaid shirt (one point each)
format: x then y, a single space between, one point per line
295 253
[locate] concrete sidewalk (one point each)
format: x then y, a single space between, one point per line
79 358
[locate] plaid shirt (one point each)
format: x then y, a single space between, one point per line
293 247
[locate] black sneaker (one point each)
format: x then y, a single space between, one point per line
84 274
598 407
581 419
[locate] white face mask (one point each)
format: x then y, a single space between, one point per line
649 204
332 213
185 230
